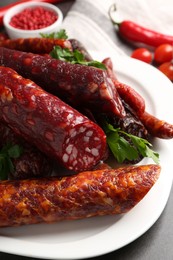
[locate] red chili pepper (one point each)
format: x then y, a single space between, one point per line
4 9
134 32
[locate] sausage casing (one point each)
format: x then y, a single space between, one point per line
87 194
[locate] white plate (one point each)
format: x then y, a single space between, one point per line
100 235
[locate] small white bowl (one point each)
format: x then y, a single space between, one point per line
14 33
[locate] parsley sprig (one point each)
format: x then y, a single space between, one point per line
74 57
122 149
64 54
61 34
8 152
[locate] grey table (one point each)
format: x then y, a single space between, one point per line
155 244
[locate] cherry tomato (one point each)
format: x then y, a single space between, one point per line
163 53
167 69
142 54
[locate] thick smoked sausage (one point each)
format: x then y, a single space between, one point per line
50 124
74 83
87 194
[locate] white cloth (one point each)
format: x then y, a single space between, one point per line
88 21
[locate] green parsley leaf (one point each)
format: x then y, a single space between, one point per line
143 147
55 35
8 152
122 149
61 54
75 57
96 64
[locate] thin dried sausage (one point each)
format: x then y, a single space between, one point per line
35 45
131 97
50 124
87 194
126 92
157 127
67 81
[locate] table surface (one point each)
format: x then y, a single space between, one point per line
155 244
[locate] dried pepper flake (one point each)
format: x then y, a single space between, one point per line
33 18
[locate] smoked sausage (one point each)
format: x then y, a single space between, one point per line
84 195
67 81
35 45
51 125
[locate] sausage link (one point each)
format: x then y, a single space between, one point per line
50 124
35 45
67 81
31 163
127 93
84 195
156 127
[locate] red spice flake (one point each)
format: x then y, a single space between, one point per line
33 18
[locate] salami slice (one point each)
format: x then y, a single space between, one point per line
84 195
50 124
